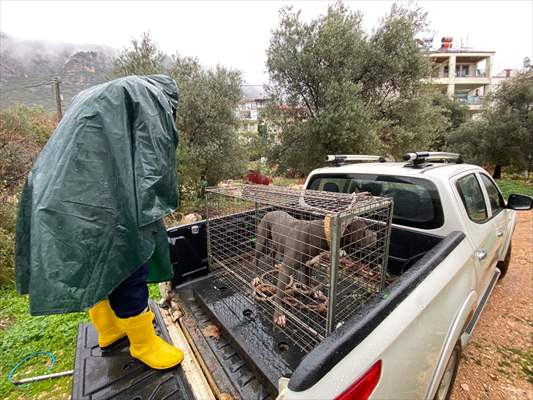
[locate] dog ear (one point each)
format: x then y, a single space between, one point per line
344 226
349 226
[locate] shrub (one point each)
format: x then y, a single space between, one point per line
23 132
7 239
32 123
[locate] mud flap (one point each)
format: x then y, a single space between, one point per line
116 375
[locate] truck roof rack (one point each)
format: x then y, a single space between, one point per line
420 159
341 159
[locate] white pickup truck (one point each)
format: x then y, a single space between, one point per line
450 243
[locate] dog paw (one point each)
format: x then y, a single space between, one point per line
280 320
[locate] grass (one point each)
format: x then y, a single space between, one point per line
509 186
525 360
282 181
22 334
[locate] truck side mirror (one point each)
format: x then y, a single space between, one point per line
519 202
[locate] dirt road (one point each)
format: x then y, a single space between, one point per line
497 364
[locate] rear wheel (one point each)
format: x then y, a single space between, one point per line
444 390
503 266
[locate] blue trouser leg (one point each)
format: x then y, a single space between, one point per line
130 298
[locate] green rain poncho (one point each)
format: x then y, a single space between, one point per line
91 209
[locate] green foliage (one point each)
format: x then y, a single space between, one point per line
255 143
154 292
503 136
455 114
22 334
32 123
142 58
508 186
336 89
23 132
7 241
209 149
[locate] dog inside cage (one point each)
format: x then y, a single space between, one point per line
306 259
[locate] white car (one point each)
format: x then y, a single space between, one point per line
449 245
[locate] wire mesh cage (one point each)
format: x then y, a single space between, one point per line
307 259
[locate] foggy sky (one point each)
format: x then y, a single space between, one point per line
237 33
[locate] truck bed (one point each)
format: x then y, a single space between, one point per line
241 353
248 351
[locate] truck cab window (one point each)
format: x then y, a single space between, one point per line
472 197
496 200
416 201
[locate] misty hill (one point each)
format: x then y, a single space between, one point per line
28 66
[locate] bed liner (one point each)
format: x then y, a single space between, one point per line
238 338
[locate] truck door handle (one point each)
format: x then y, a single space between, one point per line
499 232
481 254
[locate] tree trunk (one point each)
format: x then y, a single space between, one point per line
497 174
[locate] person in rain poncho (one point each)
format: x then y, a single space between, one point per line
89 231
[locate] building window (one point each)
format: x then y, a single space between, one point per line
461 71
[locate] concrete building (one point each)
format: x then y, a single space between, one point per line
249 110
463 74
504 75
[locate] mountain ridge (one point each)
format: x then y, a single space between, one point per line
28 67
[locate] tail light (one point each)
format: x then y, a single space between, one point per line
363 387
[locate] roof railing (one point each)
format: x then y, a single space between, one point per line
419 159
341 159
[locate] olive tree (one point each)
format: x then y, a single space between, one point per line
209 148
143 57
503 135
336 88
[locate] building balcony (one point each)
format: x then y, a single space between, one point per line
473 103
252 115
469 81
469 100
480 73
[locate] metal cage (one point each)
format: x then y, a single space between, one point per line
306 259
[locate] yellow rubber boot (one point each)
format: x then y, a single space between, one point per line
146 346
107 324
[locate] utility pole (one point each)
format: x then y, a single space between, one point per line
56 83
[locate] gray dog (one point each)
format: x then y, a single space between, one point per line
297 241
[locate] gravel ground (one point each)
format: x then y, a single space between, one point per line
497 364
